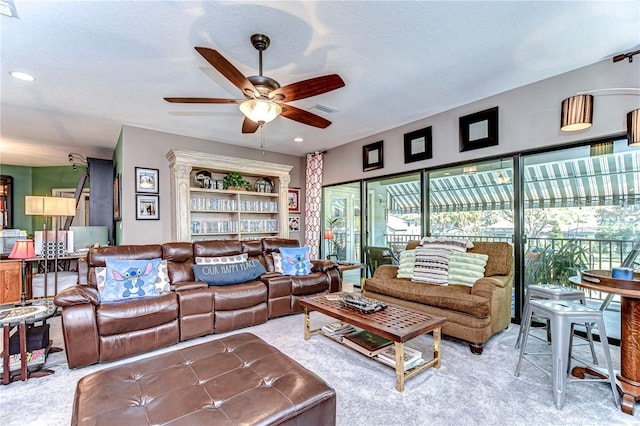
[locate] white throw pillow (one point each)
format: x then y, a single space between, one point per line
218 260
406 264
277 262
466 268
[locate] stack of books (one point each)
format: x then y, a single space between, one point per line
412 357
336 330
366 342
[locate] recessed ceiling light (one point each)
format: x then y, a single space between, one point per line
298 140
22 76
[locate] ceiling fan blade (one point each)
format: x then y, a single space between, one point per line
227 69
307 88
249 126
304 117
202 101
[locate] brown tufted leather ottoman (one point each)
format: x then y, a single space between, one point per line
238 379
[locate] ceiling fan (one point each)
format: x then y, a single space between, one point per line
264 97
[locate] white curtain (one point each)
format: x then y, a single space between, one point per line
313 198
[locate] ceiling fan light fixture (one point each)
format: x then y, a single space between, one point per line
260 111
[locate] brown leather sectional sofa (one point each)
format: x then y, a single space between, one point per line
98 332
474 314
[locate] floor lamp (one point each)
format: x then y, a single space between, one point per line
328 236
23 249
49 207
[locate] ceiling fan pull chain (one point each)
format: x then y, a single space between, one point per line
262 138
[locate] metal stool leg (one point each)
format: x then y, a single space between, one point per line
524 315
561 331
524 331
607 357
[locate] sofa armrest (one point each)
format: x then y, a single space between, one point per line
188 285
77 295
323 265
385 272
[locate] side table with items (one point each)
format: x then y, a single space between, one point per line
349 266
26 351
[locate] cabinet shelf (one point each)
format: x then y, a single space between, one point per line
219 213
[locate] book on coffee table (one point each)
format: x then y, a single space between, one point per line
412 357
366 342
338 329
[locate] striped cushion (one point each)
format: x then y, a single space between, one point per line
432 265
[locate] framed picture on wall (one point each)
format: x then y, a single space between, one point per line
116 198
294 223
372 156
293 200
417 145
479 130
147 207
147 180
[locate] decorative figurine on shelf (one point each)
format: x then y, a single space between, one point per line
203 178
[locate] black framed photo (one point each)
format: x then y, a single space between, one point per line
479 130
147 180
372 156
147 207
418 145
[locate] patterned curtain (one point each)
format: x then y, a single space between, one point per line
313 197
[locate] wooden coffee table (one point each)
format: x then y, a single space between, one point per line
395 323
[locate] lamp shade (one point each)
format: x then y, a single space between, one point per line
260 110
328 234
49 206
577 113
633 128
22 249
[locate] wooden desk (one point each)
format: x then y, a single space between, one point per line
628 381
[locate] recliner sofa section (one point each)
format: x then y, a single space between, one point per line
98 332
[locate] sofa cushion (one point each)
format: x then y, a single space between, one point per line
136 314
446 243
225 274
163 283
277 262
465 268
406 264
500 254
295 261
129 279
222 260
453 297
431 265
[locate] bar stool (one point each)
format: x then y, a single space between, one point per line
555 292
563 315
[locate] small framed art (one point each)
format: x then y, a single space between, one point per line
147 180
147 207
417 145
372 156
293 200
116 198
294 223
479 130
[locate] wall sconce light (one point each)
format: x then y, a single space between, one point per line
633 128
577 113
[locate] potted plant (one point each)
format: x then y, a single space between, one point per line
233 180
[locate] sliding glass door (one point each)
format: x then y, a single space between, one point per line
581 211
342 222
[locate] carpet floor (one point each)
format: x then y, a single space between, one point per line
467 389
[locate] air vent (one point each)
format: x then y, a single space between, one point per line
323 109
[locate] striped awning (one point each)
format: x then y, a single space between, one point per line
592 181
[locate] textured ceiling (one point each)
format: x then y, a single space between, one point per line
102 64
